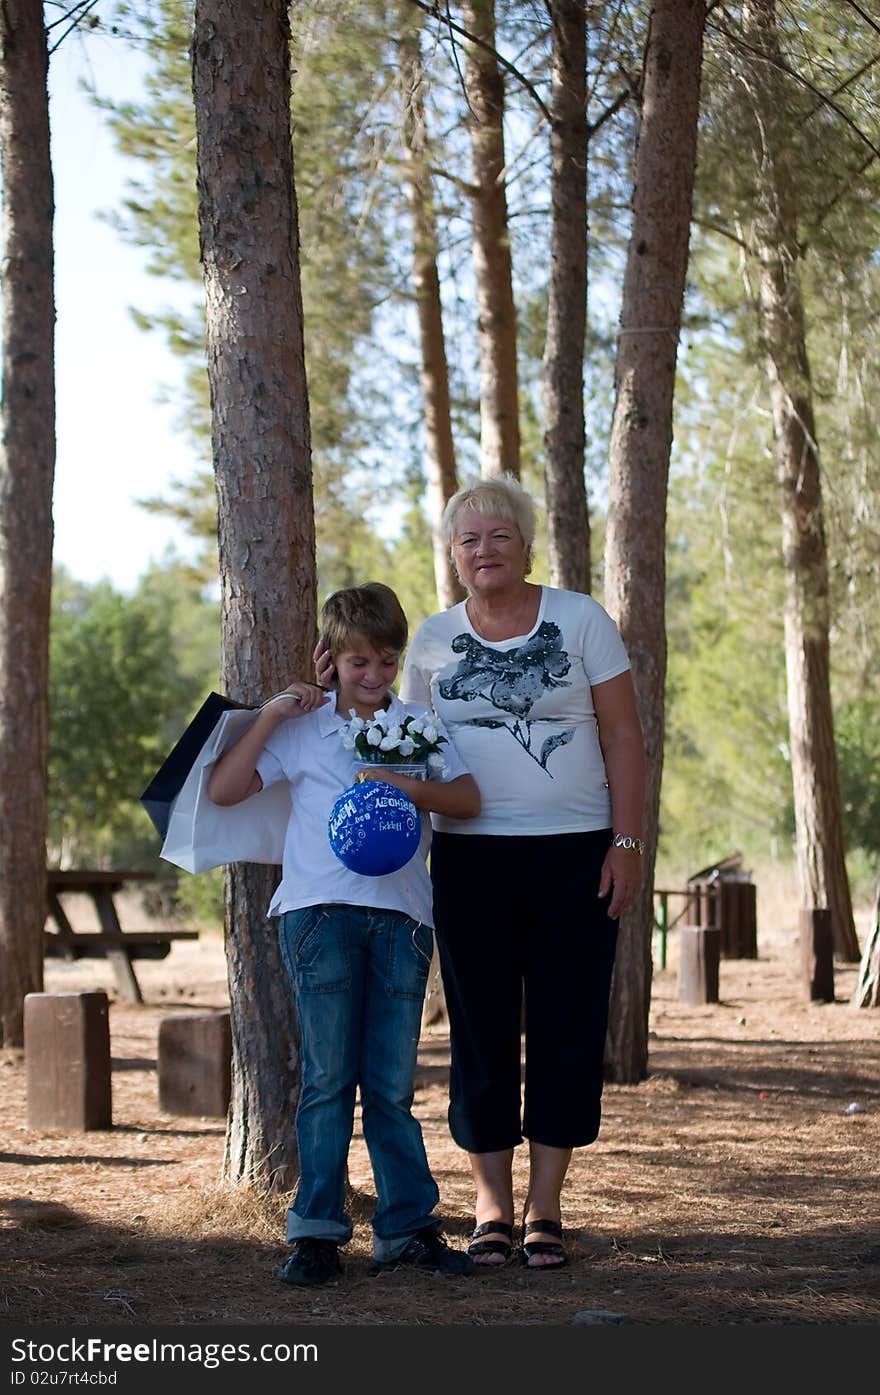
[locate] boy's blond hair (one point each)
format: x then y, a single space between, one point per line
371 612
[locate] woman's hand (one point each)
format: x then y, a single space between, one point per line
622 876
325 669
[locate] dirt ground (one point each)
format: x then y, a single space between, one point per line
738 1184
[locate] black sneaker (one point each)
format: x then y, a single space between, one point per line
311 1262
428 1250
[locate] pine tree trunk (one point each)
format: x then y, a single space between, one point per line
568 522
262 466
496 327
818 816
442 477
27 471
641 438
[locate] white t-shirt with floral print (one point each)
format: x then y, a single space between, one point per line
520 712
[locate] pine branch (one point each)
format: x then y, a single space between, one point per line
76 14
434 11
823 99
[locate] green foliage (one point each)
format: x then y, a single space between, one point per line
126 674
857 735
199 899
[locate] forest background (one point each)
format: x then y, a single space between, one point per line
727 782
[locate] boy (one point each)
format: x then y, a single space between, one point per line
357 948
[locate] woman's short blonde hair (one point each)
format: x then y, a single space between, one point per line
500 495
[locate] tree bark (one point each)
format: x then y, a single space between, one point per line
27 472
434 374
641 439
262 466
496 324
818 816
568 521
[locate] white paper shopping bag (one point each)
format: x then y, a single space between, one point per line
202 834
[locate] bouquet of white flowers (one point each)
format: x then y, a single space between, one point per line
379 740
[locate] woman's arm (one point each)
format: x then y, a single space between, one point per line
454 799
234 776
623 750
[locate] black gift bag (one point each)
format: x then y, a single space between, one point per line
169 779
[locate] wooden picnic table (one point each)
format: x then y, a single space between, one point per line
119 947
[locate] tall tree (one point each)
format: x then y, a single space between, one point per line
568 520
641 439
341 115
434 374
27 471
779 302
262 465
496 312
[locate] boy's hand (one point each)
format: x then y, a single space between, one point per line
379 772
299 698
325 669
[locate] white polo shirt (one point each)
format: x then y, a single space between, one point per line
307 751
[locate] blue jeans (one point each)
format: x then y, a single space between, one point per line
359 977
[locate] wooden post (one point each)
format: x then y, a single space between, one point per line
817 953
663 926
195 1064
749 937
738 919
699 955
692 911
67 1061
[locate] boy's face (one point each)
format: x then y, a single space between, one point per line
364 675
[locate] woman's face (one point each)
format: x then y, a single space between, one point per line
489 552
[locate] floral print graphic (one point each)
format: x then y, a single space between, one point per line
512 680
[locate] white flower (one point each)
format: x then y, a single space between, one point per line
416 738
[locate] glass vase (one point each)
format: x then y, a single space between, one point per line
417 770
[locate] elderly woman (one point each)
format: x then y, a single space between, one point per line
533 684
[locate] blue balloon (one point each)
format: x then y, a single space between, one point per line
374 828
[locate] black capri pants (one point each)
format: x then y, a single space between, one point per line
521 916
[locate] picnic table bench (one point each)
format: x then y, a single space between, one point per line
119 947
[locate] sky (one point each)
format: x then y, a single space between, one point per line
116 442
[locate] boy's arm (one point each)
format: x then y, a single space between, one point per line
235 776
454 799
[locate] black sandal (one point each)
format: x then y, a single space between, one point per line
542 1247
478 1248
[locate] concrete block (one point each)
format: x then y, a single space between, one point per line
67 1061
699 950
195 1063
